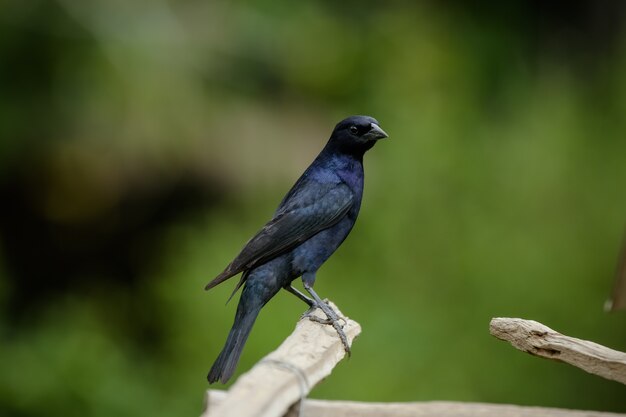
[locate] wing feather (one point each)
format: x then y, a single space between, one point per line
311 208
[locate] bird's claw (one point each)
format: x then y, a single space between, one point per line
332 319
320 320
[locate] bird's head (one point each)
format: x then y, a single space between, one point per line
356 134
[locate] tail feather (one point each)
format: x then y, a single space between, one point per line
226 363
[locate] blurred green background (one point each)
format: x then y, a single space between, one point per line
142 143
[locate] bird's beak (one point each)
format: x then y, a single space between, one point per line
376 132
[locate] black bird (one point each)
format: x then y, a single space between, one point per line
310 223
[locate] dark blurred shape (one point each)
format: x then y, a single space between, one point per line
583 30
73 220
113 246
576 32
618 296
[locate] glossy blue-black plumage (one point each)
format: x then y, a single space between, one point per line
310 223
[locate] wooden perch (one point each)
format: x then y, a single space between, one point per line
288 374
309 354
537 339
322 408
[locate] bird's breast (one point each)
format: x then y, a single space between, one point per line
350 172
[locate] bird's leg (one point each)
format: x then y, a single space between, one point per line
301 296
332 317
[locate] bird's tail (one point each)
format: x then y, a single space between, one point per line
226 362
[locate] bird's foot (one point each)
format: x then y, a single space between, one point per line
332 318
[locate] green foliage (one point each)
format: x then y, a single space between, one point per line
499 193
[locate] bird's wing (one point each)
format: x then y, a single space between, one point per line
309 210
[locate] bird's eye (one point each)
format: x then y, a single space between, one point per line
354 129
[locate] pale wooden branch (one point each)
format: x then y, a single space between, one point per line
284 376
322 408
537 339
